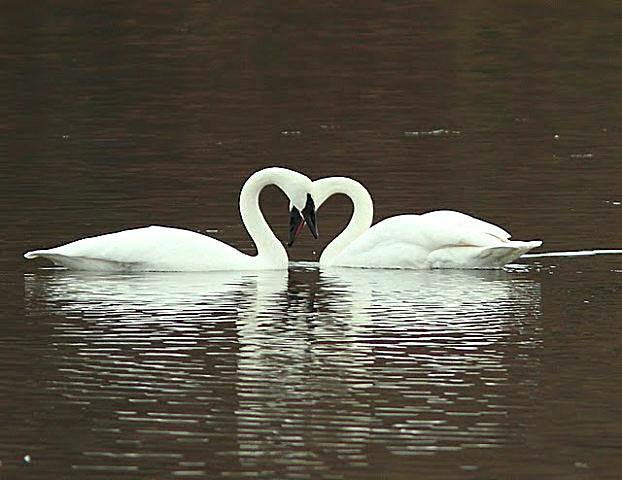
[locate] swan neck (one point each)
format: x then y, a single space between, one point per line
362 214
269 250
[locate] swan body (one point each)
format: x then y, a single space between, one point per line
158 248
153 248
439 239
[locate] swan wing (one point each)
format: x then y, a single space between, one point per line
462 220
432 232
151 248
437 239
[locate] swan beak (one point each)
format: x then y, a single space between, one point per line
308 213
297 221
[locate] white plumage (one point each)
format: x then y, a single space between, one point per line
158 248
440 239
151 248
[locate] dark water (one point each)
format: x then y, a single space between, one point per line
116 116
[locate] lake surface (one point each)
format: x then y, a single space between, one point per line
118 116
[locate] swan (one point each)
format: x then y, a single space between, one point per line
438 239
157 248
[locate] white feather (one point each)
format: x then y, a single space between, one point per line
439 239
172 249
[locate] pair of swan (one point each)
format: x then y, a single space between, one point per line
440 239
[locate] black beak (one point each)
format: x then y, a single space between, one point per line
308 214
297 221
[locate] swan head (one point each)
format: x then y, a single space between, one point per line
299 189
299 216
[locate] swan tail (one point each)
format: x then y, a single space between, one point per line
519 247
33 254
498 256
81 263
478 257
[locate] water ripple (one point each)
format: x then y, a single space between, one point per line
285 370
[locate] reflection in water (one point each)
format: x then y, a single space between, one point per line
151 360
417 362
286 375
575 253
177 294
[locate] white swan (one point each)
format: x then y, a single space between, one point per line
158 248
440 239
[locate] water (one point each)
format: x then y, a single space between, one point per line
119 116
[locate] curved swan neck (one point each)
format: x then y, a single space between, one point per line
269 249
362 215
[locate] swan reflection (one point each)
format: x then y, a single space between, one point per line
262 364
175 294
460 309
416 361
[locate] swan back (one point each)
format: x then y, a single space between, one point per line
467 223
153 248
